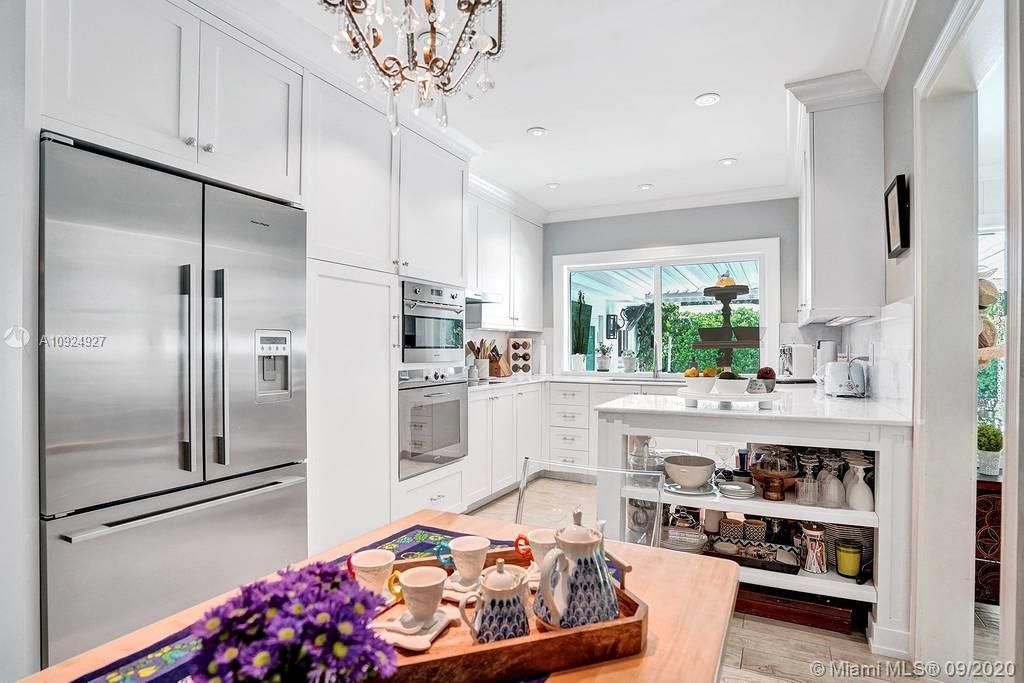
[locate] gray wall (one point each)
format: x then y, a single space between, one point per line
925 25
777 218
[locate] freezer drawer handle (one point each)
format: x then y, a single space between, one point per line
223 450
136 522
187 451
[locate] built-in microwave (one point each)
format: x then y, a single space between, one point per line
433 324
433 407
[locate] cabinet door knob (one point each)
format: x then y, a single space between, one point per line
189 141
209 148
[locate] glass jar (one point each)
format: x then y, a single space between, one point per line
848 557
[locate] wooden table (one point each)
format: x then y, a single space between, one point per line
690 598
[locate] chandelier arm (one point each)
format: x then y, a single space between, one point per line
455 85
499 39
363 44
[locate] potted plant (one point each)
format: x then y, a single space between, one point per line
580 332
310 624
629 360
604 358
990 449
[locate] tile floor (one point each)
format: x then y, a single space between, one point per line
758 650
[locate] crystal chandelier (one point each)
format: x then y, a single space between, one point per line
434 50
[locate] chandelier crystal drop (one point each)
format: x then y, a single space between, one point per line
437 45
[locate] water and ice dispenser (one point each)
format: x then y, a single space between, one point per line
273 363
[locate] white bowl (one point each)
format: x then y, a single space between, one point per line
731 386
689 471
702 385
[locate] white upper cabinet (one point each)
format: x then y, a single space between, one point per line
470 244
250 116
527 276
494 241
347 180
150 79
431 187
842 223
128 69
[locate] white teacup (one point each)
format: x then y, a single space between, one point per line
468 554
421 588
538 542
371 568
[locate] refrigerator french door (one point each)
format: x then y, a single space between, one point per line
255 265
121 252
172 393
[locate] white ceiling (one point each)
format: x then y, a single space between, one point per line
614 82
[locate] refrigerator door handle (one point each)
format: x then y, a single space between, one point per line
188 450
223 454
136 522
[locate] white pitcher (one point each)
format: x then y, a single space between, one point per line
576 587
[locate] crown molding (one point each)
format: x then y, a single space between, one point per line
757 194
892 26
484 189
838 90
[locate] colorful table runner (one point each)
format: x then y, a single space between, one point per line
167 661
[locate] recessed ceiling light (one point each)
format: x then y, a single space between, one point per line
645 187
553 186
707 99
728 161
537 131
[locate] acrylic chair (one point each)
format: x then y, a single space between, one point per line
630 501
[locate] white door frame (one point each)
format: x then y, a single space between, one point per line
945 322
1011 636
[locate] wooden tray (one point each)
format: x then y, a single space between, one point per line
769 565
456 658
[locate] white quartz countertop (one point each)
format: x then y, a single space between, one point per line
609 379
798 405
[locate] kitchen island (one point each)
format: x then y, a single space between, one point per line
803 418
691 602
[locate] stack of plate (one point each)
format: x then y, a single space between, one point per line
684 540
736 489
837 532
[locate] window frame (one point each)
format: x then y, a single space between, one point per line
765 250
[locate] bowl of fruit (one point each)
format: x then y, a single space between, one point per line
731 383
701 382
764 383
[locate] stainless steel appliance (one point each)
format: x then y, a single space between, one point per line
433 407
172 393
433 324
796 363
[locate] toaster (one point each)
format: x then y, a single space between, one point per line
848 380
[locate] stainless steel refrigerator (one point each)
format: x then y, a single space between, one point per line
172 403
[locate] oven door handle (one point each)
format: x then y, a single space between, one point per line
438 395
413 305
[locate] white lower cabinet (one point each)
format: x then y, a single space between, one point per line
505 426
529 425
437 490
476 468
351 403
503 441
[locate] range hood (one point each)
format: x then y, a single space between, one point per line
476 296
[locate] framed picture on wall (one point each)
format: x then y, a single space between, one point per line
897 216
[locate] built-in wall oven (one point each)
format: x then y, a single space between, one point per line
432 416
433 324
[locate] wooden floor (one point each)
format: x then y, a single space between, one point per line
758 650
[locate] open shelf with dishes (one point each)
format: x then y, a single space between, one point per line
758 506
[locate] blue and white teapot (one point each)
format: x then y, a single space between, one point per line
576 587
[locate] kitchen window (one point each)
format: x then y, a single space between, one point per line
650 304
